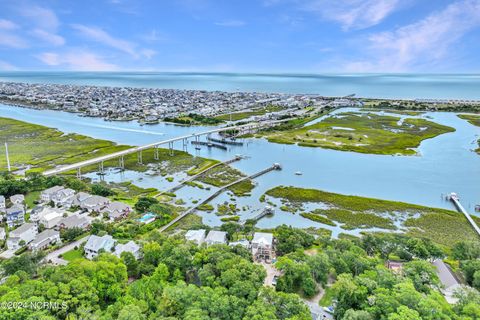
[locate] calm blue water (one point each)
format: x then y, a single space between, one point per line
445 163
445 86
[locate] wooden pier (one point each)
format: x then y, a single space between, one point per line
210 144
275 166
456 200
225 141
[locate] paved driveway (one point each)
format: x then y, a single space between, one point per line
53 258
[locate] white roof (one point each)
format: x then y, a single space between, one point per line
42 236
263 238
195 235
130 246
52 215
23 228
52 189
444 274
216 236
95 243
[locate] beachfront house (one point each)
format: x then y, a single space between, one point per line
94 203
131 247
95 245
15 215
47 195
116 210
216 237
262 246
74 221
17 199
197 236
45 239
3 204
21 236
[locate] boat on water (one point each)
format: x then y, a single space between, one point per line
198 148
477 208
298 173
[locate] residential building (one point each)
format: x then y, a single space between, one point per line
262 246
17 199
94 203
3 234
51 218
44 239
117 210
74 221
3 204
450 283
96 244
15 215
77 199
197 236
25 233
48 194
243 243
131 247
62 197
216 237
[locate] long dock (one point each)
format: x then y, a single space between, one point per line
210 144
275 166
198 175
225 141
456 200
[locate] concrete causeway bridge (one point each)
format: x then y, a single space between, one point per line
456 200
243 129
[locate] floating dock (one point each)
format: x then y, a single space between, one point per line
210 144
225 141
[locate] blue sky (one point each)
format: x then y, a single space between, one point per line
293 36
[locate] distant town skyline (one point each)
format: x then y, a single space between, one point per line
264 36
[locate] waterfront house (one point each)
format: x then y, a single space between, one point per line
44 239
95 245
216 237
48 194
262 246
77 199
449 282
74 221
15 215
94 203
25 233
62 197
17 199
197 236
117 210
130 246
3 205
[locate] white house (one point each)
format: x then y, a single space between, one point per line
262 245
17 199
3 205
26 232
45 239
48 194
216 237
95 244
130 246
51 219
94 203
117 210
197 236
62 197
2 233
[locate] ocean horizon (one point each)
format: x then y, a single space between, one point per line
366 85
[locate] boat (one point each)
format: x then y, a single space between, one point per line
198 148
477 207
298 173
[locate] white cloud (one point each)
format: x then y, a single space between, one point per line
231 23
7 25
44 18
352 14
101 36
148 53
78 60
5 66
8 39
51 38
420 44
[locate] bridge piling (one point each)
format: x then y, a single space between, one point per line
140 157
155 153
121 162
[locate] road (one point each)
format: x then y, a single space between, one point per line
53 256
119 154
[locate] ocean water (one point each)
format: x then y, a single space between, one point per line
407 86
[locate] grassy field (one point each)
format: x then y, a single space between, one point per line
440 225
247 114
363 132
72 255
223 175
473 119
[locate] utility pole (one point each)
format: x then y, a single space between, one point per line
8 159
